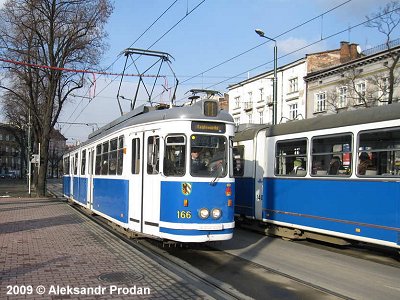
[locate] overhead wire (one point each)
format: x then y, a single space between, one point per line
263 43
302 48
186 15
120 54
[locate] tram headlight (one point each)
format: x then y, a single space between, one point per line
216 213
204 213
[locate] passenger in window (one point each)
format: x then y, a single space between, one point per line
196 163
364 163
297 166
238 168
334 165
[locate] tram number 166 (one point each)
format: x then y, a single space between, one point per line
184 214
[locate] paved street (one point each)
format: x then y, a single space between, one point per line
364 277
49 250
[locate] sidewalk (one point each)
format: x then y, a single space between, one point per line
15 188
50 251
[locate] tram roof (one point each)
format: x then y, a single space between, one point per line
147 114
347 118
248 131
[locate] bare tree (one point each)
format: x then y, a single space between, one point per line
44 38
385 21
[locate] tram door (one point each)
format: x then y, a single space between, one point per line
259 172
90 178
72 170
135 142
151 183
71 173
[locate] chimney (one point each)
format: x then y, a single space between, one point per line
344 52
354 54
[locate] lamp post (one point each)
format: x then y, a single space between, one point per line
275 82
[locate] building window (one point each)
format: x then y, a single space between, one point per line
250 118
237 102
261 94
361 91
237 121
293 85
320 102
342 100
384 92
293 111
261 117
250 96
248 105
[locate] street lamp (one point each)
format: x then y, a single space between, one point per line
275 84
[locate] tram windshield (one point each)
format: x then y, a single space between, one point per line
208 155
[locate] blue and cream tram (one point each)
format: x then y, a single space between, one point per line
137 172
335 178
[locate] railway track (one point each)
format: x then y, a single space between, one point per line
227 276
221 275
156 251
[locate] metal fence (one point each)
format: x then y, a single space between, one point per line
381 47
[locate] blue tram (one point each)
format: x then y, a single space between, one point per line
138 172
334 178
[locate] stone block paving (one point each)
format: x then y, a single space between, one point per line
48 250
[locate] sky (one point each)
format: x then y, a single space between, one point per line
212 44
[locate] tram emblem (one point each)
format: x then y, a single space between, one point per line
186 188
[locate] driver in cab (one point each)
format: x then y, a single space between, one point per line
197 164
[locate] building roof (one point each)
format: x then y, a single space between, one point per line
266 74
344 66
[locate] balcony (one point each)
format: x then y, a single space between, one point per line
248 106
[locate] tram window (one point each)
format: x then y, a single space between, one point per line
112 157
238 161
135 156
379 153
175 155
120 158
104 158
153 153
83 164
208 155
66 166
76 164
331 155
291 158
98 159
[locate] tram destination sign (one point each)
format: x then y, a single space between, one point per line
208 127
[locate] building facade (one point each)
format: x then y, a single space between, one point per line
251 100
11 151
355 84
320 83
57 148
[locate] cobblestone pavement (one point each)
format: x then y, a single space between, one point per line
48 250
